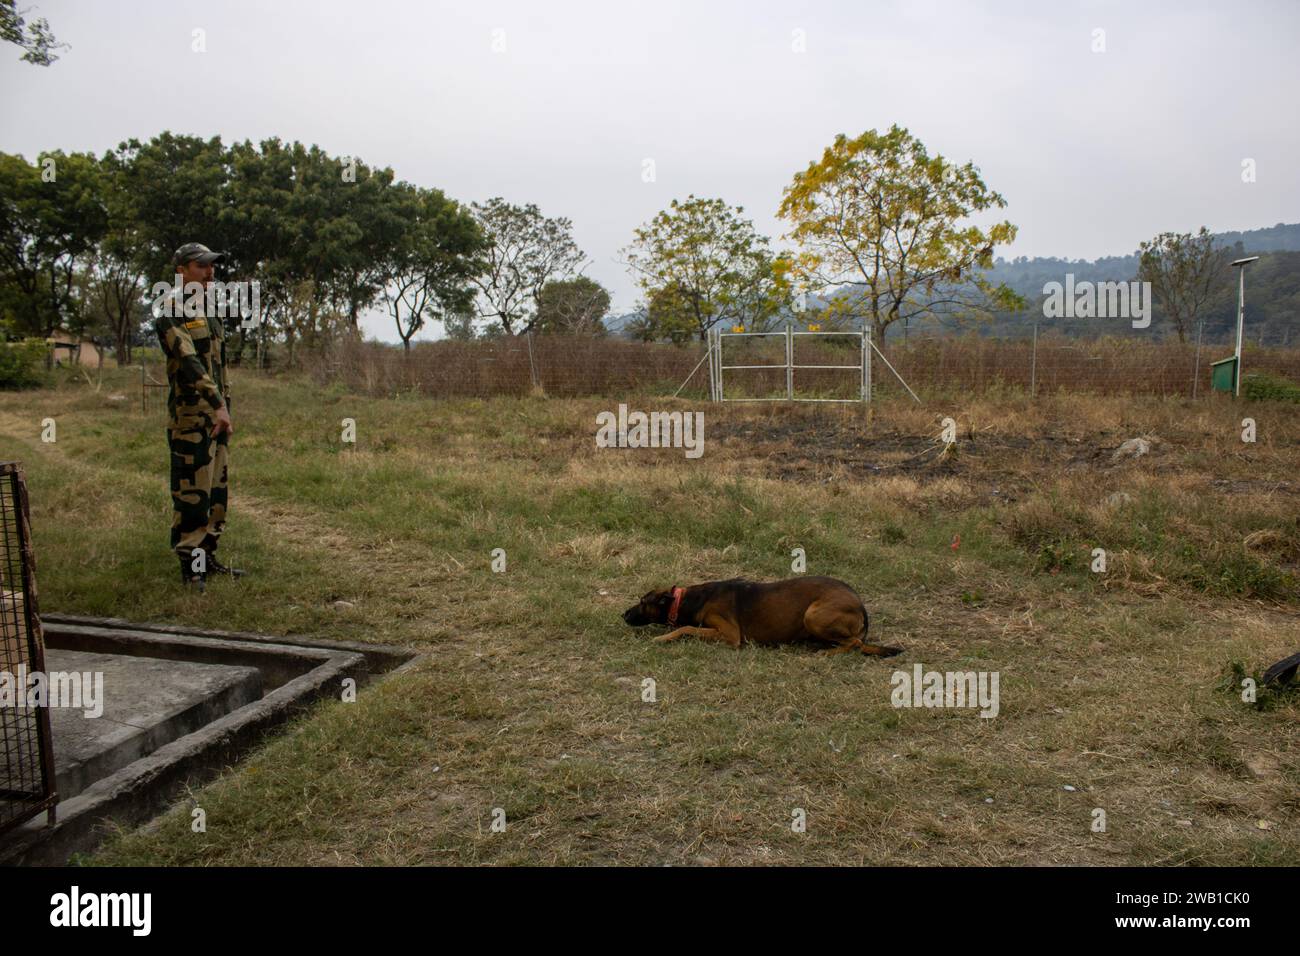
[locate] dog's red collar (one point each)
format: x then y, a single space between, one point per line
676 606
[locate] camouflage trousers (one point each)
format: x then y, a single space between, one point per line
198 478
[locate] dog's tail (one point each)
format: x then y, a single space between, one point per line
880 650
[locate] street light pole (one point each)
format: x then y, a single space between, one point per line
1240 264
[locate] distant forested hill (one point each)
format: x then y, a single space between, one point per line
1272 295
1272 291
1284 237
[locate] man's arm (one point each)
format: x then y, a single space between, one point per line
178 345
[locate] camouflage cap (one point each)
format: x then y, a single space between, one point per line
196 250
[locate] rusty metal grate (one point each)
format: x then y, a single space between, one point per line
26 757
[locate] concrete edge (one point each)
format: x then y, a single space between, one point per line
278 663
389 654
183 720
150 785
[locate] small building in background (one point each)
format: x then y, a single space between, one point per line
69 349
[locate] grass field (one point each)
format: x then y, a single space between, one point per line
1119 685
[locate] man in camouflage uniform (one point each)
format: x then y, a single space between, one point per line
198 406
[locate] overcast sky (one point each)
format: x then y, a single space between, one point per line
1094 151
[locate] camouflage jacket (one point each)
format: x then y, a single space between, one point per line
196 361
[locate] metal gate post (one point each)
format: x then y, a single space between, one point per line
720 392
708 357
718 360
866 362
789 362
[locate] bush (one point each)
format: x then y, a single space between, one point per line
1259 387
22 364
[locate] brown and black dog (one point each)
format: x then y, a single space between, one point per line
796 609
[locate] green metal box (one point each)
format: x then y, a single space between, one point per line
1223 375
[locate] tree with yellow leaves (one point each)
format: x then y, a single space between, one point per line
878 223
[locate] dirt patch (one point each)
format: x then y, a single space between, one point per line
998 465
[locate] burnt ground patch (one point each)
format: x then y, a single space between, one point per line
999 466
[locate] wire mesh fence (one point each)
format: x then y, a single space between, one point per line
1055 363
529 364
575 366
26 761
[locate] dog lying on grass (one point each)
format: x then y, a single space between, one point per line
796 609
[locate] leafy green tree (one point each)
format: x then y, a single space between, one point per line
574 306
261 234
22 364
1185 271
671 313
700 263
525 251
879 221
35 38
430 273
52 216
302 319
316 231
459 327
323 231
178 192
119 272
369 199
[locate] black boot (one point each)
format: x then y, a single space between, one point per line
215 566
189 576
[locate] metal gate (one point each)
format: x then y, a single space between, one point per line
26 760
718 366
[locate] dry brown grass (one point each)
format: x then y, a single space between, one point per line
530 699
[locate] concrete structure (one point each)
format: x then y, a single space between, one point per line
180 706
146 703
